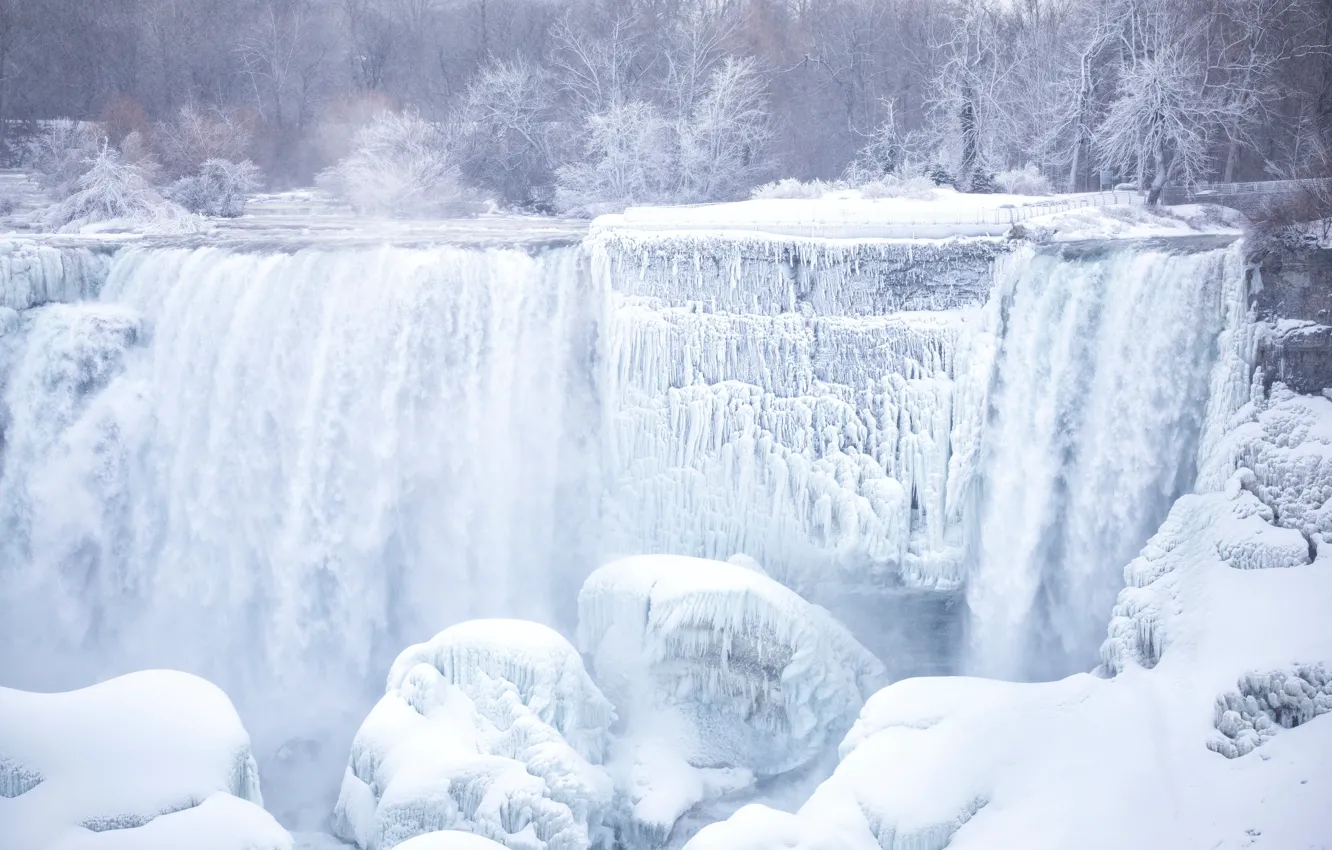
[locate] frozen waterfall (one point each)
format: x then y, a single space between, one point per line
276 470
1098 399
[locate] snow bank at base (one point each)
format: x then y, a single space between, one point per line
721 673
1211 733
449 839
492 727
156 759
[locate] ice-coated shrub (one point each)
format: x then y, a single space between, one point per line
111 189
789 187
400 165
60 154
893 186
1027 180
220 188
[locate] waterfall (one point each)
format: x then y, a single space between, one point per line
1099 395
278 470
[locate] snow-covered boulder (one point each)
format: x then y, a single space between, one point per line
721 673
492 727
1224 608
156 759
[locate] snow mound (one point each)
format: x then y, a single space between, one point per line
492 727
449 839
722 674
155 759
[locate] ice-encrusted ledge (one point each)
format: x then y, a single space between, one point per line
32 274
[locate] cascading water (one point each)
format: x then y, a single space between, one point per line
1099 396
278 470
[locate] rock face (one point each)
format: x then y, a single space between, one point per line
1296 297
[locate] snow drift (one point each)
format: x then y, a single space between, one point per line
157 759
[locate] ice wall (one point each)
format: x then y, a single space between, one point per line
276 470
1099 397
807 403
32 274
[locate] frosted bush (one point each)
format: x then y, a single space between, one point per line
220 188
892 186
60 154
110 190
1027 180
400 165
789 187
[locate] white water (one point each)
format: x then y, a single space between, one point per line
1100 394
277 471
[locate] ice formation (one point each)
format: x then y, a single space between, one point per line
1266 703
492 727
155 760
721 673
819 440
32 274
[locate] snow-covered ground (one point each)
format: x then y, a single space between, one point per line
943 213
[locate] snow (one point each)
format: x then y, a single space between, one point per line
155 759
715 666
448 839
492 727
1210 731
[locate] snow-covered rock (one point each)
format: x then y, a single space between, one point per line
156 759
491 727
722 675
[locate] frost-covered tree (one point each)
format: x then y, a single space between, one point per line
60 154
400 165
627 158
1157 123
196 135
723 141
110 189
505 120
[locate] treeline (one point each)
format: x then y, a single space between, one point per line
572 102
